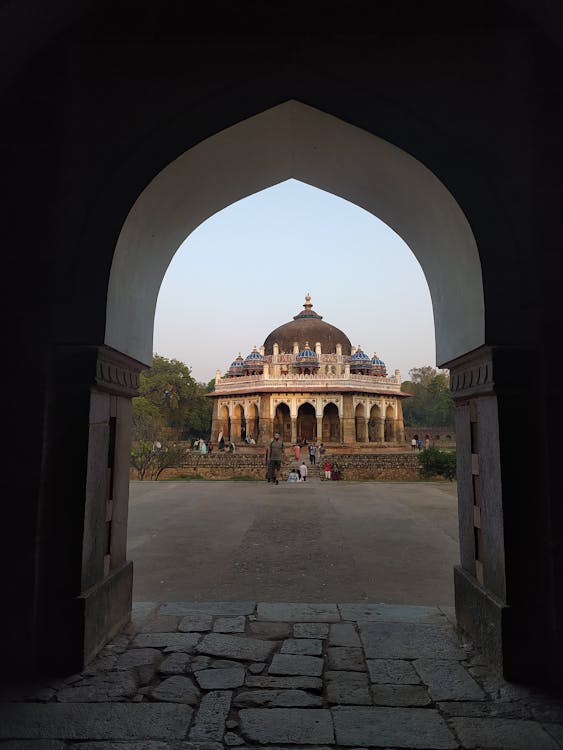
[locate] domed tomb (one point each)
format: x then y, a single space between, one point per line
307 326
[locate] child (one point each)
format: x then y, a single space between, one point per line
327 468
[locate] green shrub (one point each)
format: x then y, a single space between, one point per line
434 462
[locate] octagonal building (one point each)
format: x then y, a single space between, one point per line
308 382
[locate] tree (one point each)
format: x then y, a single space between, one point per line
431 404
170 398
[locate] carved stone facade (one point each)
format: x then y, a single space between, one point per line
323 390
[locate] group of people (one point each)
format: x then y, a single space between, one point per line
298 474
200 445
311 450
416 443
274 457
331 470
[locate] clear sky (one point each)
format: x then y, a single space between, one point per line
247 269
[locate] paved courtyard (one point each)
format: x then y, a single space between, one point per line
249 669
393 542
214 675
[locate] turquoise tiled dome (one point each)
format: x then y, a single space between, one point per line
307 356
254 360
378 365
237 366
360 360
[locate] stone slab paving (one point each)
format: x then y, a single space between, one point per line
215 675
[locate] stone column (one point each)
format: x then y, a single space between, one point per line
293 429
502 583
319 429
400 434
364 429
216 422
235 429
85 581
379 430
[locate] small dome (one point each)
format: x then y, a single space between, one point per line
254 360
237 366
360 360
378 365
307 356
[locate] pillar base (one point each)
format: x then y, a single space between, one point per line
510 638
94 618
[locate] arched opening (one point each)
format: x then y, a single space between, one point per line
282 422
331 424
306 423
360 418
239 161
369 172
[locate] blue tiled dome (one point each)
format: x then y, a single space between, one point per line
307 356
378 365
237 366
254 360
360 360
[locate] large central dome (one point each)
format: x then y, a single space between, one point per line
307 327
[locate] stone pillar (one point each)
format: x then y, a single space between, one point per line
216 427
347 430
235 429
400 434
364 429
319 429
502 586
85 581
379 430
293 429
216 422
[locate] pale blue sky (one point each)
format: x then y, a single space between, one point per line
246 270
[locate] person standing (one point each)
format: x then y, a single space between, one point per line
303 470
419 444
327 469
202 446
413 444
312 453
297 451
275 457
321 450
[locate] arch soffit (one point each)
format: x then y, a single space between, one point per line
293 140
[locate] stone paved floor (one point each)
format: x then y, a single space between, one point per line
203 676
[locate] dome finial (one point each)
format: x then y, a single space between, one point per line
307 304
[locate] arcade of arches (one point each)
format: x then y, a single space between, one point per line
331 392
117 146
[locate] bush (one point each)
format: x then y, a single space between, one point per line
151 459
434 462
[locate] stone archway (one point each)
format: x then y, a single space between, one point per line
282 422
293 140
331 424
306 423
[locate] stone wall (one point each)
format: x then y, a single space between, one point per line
353 466
379 467
440 437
